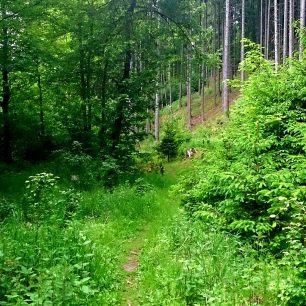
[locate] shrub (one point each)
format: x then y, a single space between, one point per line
169 144
252 181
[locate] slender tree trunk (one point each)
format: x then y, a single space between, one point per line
226 57
170 85
204 16
242 36
302 28
181 77
267 35
203 101
6 93
41 110
103 104
285 28
82 78
276 44
261 24
156 120
189 73
291 33
220 38
148 123
122 87
88 85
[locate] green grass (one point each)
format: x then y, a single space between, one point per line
188 264
80 261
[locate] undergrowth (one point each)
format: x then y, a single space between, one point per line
251 179
190 263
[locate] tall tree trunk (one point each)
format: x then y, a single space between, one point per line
82 73
181 77
122 86
285 28
103 104
148 122
6 93
226 57
261 24
88 85
188 84
203 68
170 84
291 33
41 110
242 36
156 120
267 31
302 28
276 43
219 43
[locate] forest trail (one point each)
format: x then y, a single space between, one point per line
168 208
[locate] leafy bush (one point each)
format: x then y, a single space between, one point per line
43 200
36 267
39 202
253 180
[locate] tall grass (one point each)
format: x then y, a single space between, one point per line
190 264
74 261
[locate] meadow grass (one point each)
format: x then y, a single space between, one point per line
80 261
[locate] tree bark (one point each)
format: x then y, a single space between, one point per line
122 86
181 77
242 36
291 33
188 85
302 28
102 130
170 84
226 56
41 110
267 30
276 44
261 24
156 120
285 35
6 93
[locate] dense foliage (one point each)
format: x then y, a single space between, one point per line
252 179
57 245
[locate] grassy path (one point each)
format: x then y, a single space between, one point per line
124 231
165 208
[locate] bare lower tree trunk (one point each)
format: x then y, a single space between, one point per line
122 86
261 24
302 28
226 56
267 35
156 120
291 33
181 77
285 36
170 85
242 36
188 84
276 50
6 93
41 110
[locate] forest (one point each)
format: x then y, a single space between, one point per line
153 152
